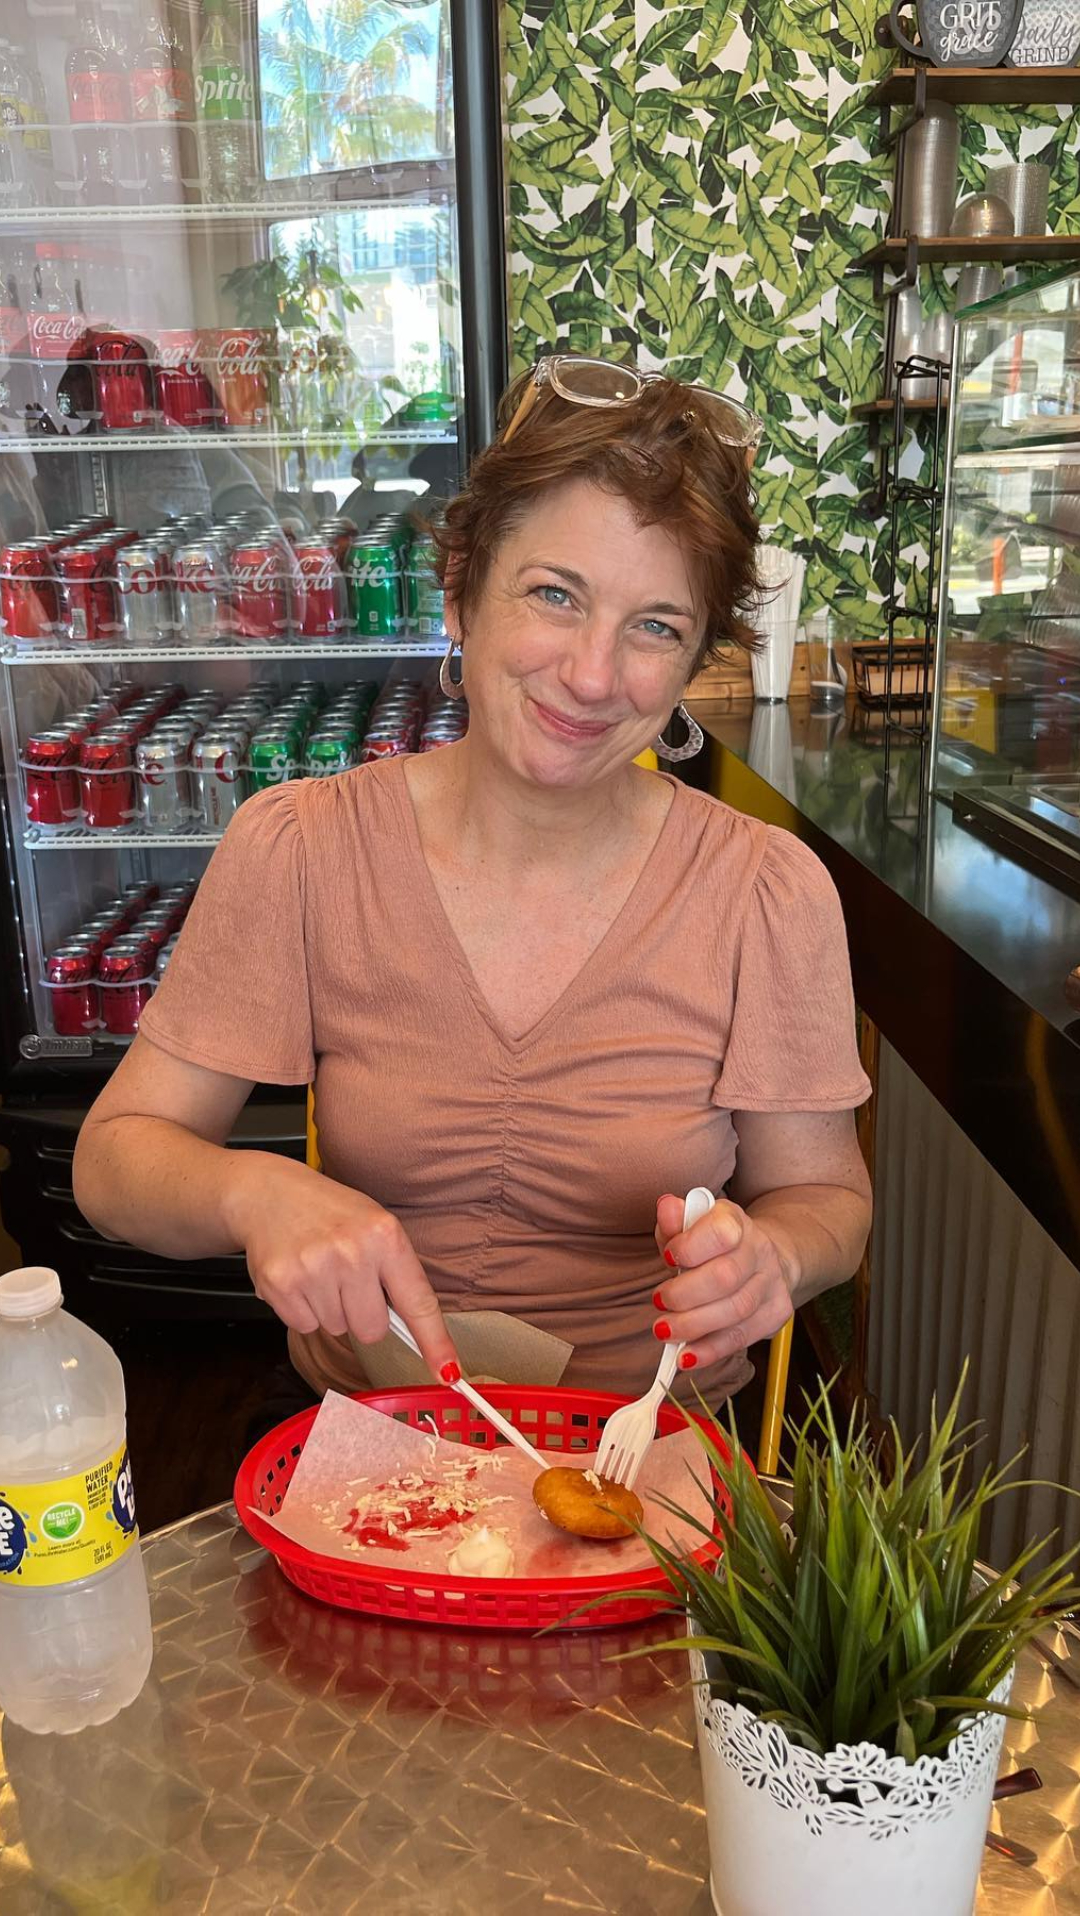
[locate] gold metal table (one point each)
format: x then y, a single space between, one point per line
288 1758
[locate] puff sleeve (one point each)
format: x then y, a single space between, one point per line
235 995
791 1047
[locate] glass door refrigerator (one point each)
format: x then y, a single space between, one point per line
252 322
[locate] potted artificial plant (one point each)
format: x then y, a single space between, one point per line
852 1667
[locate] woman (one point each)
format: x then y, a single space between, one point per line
541 991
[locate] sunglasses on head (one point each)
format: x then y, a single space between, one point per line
605 383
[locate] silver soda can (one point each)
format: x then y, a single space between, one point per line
161 762
165 956
203 600
217 763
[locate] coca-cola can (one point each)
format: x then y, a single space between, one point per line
87 590
29 602
155 929
241 357
103 928
321 598
144 585
107 778
184 394
52 783
124 973
123 384
217 764
161 762
71 976
260 590
203 601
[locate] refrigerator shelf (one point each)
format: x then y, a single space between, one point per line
424 434
423 185
389 649
46 839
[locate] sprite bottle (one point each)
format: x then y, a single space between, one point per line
225 102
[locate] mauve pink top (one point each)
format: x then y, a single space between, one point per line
526 1172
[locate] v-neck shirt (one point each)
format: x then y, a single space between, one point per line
525 1171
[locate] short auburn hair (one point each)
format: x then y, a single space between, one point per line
660 453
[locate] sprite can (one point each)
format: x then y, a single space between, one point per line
272 758
330 752
373 573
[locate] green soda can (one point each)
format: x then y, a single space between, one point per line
426 612
331 751
271 758
373 574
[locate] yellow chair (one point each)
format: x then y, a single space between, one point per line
772 1418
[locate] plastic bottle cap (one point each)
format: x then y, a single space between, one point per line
26 1292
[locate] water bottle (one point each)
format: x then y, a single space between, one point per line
75 1639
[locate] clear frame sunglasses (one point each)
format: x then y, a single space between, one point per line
606 383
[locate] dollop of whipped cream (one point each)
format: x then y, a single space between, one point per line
482 1553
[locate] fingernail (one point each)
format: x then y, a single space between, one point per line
451 1373
670 1257
688 1359
658 1300
662 1330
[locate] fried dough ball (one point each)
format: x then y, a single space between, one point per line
583 1502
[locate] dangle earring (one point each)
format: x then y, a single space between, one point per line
453 689
693 743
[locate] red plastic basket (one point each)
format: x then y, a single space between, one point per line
555 1419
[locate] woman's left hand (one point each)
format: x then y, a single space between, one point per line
734 1285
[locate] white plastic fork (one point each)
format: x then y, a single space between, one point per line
630 1431
470 1393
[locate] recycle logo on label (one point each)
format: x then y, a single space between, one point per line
63 1521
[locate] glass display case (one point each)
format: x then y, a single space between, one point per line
1006 736
231 389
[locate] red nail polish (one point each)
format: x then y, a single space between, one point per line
670 1257
688 1359
658 1300
451 1373
662 1330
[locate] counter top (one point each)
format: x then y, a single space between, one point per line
959 953
288 1757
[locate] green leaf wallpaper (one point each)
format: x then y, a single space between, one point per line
689 182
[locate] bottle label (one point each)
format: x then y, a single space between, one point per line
97 97
52 335
223 92
161 93
53 1531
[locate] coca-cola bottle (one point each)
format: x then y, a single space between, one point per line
55 328
99 103
15 391
163 106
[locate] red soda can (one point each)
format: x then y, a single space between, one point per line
29 603
184 393
124 972
241 356
155 929
107 778
52 784
260 590
71 976
123 384
87 588
321 613
102 930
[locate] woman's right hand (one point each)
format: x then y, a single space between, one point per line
323 1255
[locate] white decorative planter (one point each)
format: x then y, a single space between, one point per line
853 1832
